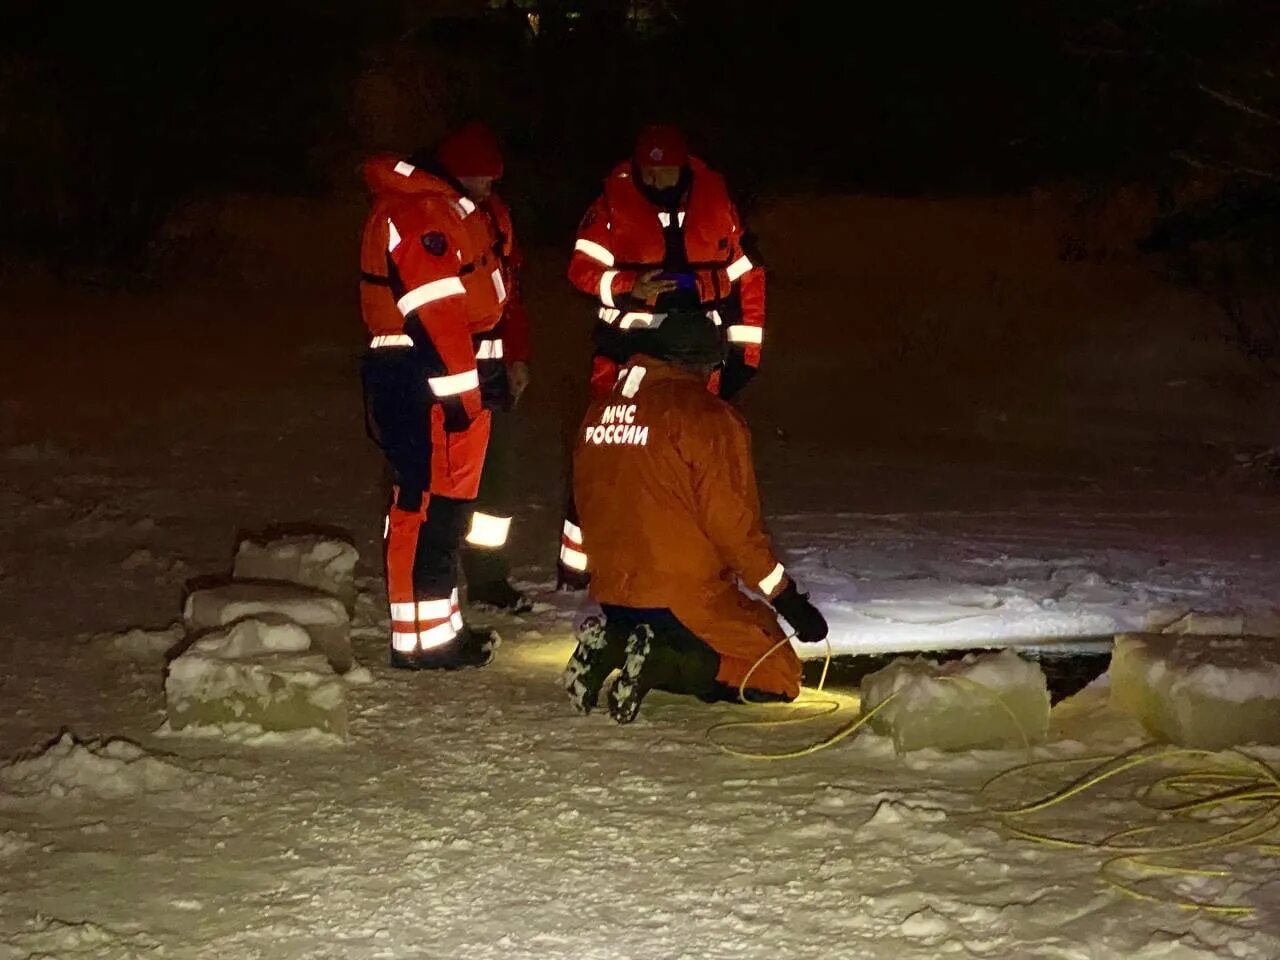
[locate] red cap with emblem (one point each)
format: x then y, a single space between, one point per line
471 151
660 145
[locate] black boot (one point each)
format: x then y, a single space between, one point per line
599 652
662 655
476 648
630 688
471 648
569 580
498 595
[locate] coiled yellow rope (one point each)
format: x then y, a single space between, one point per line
1233 797
1230 795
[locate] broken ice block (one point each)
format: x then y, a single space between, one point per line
259 673
139 644
1262 622
324 617
1206 624
984 701
1199 691
314 561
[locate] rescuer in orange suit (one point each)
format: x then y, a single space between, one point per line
471 160
670 516
664 225
433 288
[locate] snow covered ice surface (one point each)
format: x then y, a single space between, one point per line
143 645
954 578
982 701
107 769
474 816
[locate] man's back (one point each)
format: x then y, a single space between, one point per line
666 493
665 488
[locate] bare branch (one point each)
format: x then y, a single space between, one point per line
1221 166
1240 105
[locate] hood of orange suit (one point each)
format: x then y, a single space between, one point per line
389 176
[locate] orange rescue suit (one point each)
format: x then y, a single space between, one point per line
434 269
623 235
670 516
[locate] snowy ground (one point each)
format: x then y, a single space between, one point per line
1079 570
472 815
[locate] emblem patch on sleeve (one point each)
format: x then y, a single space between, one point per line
435 243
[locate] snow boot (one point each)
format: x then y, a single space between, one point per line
472 648
498 595
476 648
599 652
630 688
662 655
569 580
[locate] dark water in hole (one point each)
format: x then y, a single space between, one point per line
1067 672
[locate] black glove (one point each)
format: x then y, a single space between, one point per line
456 418
733 377
805 619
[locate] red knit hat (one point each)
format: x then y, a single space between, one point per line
471 151
660 145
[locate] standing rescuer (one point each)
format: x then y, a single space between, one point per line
670 515
664 230
471 158
433 288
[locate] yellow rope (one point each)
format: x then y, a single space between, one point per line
827 708
1248 809
1241 792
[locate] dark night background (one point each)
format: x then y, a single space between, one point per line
136 142
114 113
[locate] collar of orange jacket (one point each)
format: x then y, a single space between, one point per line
390 176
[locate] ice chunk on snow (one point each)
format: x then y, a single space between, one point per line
74 940
1199 691
925 924
323 616
1200 623
314 561
894 813
982 701
138 644
102 768
257 673
255 637
1262 623
13 843
358 676
138 559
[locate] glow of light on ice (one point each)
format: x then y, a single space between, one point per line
547 652
956 579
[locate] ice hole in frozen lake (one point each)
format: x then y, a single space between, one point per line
1068 668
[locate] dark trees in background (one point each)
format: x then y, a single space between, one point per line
109 117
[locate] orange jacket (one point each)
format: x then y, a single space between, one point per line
621 237
670 517
432 265
514 326
433 278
